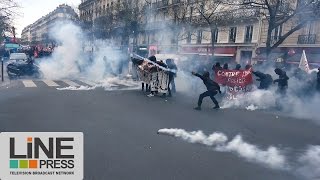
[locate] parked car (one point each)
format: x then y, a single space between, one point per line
20 65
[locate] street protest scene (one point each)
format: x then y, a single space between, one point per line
159 90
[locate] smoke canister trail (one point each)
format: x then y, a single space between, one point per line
271 157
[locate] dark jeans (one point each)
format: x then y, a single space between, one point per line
173 85
211 94
147 87
282 90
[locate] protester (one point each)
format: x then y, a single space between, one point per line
282 81
153 70
238 67
160 78
212 89
226 66
265 80
216 67
247 67
172 74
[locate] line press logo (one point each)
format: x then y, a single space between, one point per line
41 155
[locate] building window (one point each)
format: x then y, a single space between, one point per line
199 36
277 33
189 37
249 32
232 34
191 12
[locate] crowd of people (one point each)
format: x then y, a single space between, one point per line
158 77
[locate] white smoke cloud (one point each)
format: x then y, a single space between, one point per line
305 164
73 88
252 107
75 58
272 157
257 99
196 136
67 57
309 163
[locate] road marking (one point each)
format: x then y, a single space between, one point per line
71 83
50 83
29 83
88 82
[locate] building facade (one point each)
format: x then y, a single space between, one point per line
241 39
38 32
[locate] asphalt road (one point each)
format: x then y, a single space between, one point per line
121 140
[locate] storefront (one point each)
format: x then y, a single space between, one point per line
221 54
290 55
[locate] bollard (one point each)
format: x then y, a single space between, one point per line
2 69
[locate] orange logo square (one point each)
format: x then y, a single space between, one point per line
33 164
29 139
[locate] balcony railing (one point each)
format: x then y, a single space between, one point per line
307 39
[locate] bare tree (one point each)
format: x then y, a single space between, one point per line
280 12
128 15
8 10
180 14
209 14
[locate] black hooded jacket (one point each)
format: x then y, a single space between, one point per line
265 79
283 78
209 83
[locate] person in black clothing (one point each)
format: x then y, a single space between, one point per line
226 66
172 74
282 81
217 66
238 67
212 89
318 80
247 67
148 87
265 79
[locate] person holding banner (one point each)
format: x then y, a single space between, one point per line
172 74
212 89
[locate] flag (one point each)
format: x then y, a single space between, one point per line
304 65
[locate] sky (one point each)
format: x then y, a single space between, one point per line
32 10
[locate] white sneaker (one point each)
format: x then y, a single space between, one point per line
150 95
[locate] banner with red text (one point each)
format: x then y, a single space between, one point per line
236 81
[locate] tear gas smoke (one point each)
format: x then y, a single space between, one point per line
81 88
309 163
67 57
196 136
305 164
71 59
300 101
271 157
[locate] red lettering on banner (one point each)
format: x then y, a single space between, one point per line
234 77
237 81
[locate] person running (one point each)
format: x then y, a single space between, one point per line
212 89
